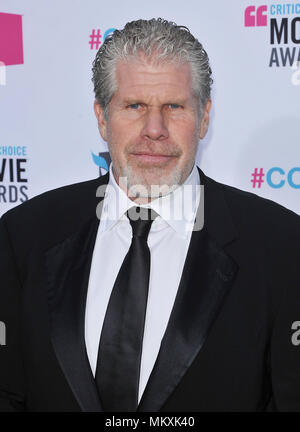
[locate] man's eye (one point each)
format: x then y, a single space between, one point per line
134 106
174 106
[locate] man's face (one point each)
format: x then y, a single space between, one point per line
153 124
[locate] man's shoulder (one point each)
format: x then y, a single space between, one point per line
255 212
62 209
61 198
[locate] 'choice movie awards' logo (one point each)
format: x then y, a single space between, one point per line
13 178
284 30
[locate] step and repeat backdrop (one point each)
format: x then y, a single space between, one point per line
48 131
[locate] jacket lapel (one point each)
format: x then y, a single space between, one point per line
207 277
67 274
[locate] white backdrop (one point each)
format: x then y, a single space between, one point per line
46 99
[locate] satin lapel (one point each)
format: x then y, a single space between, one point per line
67 270
207 277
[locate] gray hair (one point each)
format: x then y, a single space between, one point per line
156 37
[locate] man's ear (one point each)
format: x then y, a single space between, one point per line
102 124
205 119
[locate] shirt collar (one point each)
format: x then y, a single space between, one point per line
177 209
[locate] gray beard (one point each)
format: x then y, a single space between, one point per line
138 186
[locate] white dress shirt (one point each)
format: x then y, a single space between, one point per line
168 241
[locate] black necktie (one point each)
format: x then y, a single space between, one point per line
120 347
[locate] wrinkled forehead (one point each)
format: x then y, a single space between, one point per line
165 77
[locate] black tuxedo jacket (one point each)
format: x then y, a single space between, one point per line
230 343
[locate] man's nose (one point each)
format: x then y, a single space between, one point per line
155 127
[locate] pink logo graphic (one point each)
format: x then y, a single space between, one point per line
11 42
257 177
258 18
95 39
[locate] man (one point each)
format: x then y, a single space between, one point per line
212 324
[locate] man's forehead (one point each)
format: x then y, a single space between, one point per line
139 67
137 76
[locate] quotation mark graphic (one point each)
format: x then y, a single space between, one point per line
95 39
258 18
257 177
